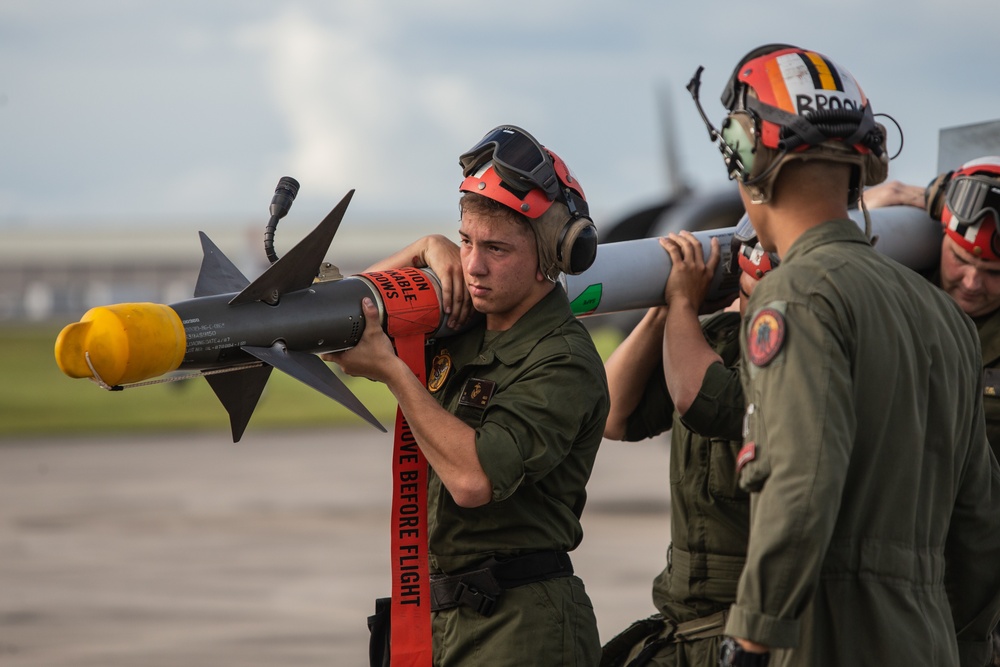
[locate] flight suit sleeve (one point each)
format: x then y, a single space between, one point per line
530 427
655 412
799 435
717 410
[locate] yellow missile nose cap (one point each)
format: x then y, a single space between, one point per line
126 342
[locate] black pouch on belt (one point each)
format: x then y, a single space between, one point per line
378 626
481 588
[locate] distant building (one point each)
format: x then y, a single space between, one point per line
55 272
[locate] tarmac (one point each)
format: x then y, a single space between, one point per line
192 550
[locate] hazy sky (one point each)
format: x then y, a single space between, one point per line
132 112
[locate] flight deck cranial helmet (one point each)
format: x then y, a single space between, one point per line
509 166
786 103
971 210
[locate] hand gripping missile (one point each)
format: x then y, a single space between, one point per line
631 275
235 331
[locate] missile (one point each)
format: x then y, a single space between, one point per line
234 332
631 275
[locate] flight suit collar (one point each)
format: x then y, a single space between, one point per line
842 230
514 344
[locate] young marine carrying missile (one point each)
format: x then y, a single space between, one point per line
233 332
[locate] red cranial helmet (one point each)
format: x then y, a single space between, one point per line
509 166
972 207
787 103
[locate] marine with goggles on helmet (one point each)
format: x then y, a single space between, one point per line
512 415
874 495
967 203
679 372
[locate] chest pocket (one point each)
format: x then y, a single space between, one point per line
722 470
475 395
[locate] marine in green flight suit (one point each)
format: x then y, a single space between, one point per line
511 416
988 328
967 202
875 497
866 455
709 513
538 406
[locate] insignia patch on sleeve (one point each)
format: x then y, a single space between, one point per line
765 336
440 367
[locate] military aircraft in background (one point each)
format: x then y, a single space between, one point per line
683 207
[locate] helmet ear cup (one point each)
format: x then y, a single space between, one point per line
740 134
577 246
934 194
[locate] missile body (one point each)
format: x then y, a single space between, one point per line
324 317
630 275
235 331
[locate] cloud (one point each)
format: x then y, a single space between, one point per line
354 113
150 110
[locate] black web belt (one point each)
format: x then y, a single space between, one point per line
479 589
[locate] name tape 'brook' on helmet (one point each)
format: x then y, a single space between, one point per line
509 166
971 210
787 103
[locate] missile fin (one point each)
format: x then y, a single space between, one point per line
297 268
310 369
218 274
239 392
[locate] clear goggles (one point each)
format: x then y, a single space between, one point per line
519 160
969 198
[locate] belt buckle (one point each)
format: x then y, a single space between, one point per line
475 599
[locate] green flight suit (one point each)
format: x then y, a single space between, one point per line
709 513
537 396
875 506
988 327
